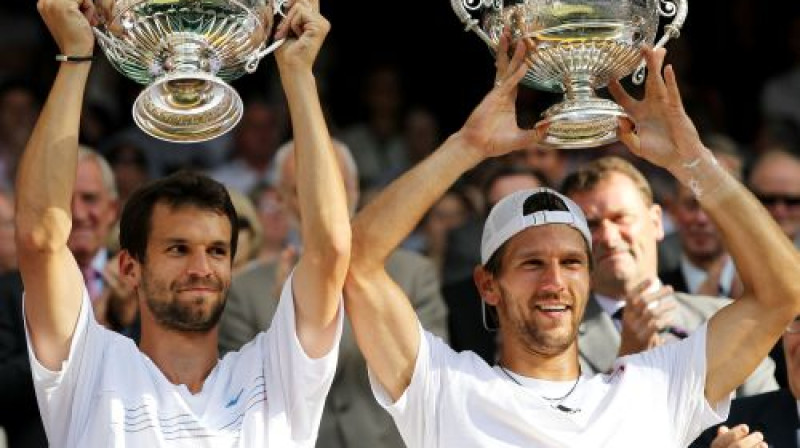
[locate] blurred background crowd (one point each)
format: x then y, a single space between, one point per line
396 78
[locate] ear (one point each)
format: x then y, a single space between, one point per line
130 270
487 285
658 222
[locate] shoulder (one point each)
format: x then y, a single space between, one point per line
259 274
407 259
704 306
407 268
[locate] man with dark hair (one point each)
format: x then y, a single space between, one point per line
630 310
536 395
178 240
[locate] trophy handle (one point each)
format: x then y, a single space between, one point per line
671 31
460 7
252 61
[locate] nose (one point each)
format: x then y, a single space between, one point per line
199 264
779 209
605 233
701 217
552 279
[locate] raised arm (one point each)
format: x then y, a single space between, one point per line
45 179
740 335
320 273
383 321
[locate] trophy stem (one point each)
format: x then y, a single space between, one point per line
187 102
582 119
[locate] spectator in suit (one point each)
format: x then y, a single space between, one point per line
626 225
703 265
771 416
774 178
94 212
351 417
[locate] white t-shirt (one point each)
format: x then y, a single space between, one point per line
653 399
109 394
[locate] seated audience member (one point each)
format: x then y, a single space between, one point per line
626 226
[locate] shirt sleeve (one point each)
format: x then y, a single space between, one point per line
302 383
66 392
684 374
414 412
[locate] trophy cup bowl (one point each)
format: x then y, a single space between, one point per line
577 46
185 52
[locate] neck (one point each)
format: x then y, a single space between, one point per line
183 357
704 263
556 367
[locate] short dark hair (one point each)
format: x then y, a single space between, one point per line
182 188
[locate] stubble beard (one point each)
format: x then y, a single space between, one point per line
184 315
535 339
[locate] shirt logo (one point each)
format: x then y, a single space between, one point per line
235 399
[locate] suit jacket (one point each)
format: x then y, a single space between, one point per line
599 339
465 320
19 411
352 417
773 413
674 278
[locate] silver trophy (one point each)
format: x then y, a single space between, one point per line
185 51
577 47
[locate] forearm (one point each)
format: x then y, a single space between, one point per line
766 260
325 223
382 225
45 180
46 172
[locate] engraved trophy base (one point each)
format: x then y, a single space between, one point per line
187 107
581 123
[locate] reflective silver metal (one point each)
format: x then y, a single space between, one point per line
185 51
578 46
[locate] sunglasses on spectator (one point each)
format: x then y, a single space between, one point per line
774 199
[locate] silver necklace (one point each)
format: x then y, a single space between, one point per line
555 402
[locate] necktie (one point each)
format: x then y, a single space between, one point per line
90 279
618 314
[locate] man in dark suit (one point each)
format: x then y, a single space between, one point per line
631 310
772 416
351 417
19 412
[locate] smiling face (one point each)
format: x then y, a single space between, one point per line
186 274
625 232
94 211
541 289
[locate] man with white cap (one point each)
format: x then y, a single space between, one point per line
536 269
